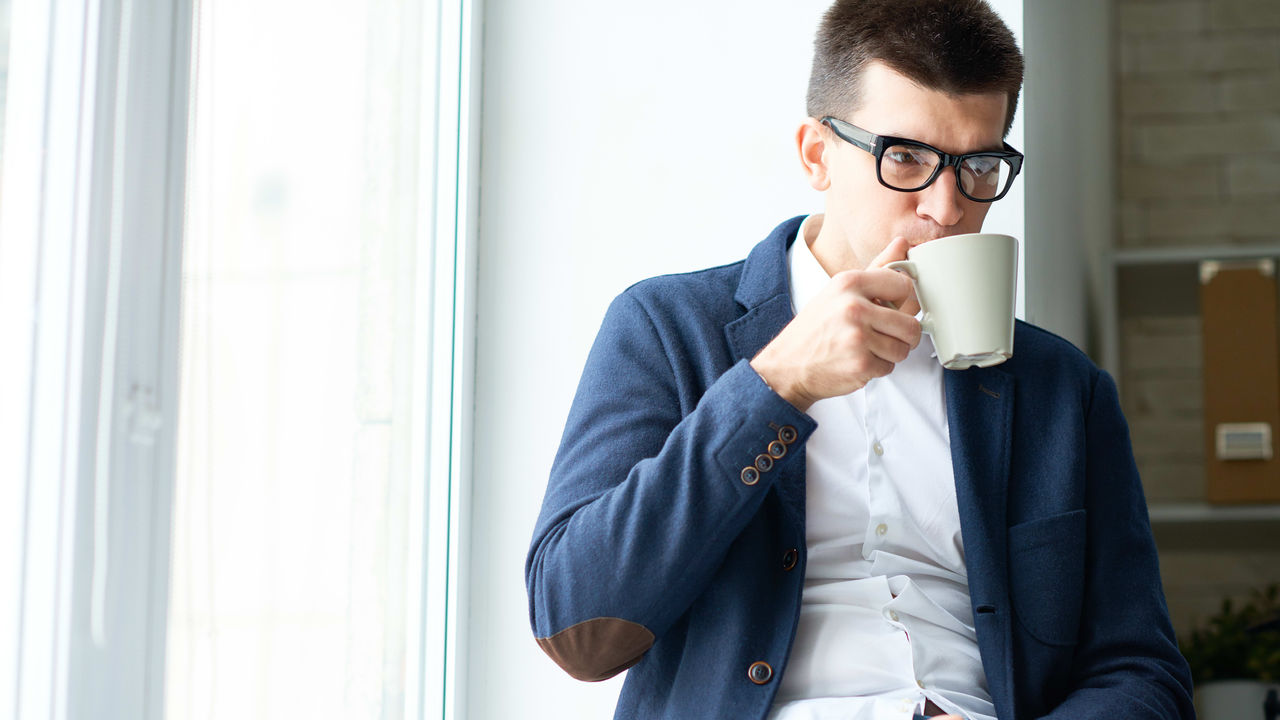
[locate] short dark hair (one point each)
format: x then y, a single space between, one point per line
953 46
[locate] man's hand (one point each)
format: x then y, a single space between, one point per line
859 326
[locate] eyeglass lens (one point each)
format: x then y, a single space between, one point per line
909 167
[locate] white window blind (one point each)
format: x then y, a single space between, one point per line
299 522
5 11
235 260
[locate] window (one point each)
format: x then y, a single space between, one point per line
234 289
297 526
5 11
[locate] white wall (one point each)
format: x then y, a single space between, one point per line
617 143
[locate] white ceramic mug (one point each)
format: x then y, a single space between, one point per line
966 286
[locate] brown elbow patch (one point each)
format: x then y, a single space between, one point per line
599 648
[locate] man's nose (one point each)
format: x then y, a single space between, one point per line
942 201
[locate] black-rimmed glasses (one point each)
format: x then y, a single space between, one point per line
909 165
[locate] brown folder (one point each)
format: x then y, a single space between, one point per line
1241 380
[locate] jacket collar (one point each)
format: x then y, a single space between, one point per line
764 292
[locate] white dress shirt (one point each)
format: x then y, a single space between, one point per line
885 619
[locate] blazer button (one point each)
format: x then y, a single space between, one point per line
777 449
787 434
764 463
750 475
760 672
789 559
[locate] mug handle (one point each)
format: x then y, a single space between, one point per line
908 268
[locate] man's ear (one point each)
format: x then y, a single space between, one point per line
811 141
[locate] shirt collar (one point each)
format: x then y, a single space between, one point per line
807 276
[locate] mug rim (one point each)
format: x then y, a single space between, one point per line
964 237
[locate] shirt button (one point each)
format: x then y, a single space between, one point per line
882 529
760 672
920 684
790 558
878 448
893 615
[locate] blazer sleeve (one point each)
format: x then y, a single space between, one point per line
1127 663
646 495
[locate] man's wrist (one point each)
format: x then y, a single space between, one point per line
777 381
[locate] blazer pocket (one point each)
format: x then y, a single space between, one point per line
1046 576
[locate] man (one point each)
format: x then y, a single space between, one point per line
771 501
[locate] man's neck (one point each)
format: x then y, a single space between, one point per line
831 250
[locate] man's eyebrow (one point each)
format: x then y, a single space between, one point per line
997 147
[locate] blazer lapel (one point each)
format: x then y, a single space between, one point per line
980 416
764 292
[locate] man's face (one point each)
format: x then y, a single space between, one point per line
863 216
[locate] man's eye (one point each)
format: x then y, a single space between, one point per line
906 156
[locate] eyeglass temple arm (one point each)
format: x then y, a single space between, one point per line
851 133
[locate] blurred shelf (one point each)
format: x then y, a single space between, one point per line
1191 254
1200 512
1201 526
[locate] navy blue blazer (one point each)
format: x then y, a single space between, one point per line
672 534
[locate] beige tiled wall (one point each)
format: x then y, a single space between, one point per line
1195 582
1162 401
1198 103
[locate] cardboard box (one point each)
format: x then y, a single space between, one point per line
1241 380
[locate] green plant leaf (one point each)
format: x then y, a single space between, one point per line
1224 647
